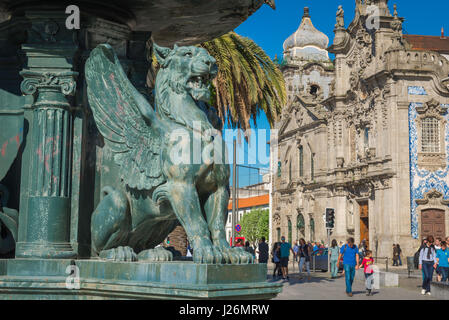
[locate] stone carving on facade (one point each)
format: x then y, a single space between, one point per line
277 218
445 83
363 189
340 18
396 25
340 162
433 198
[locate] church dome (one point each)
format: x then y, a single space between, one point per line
307 41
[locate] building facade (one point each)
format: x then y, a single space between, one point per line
252 197
366 134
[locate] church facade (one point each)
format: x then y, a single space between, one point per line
366 134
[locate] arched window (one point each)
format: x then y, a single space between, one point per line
314 89
366 137
430 135
278 234
289 231
301 161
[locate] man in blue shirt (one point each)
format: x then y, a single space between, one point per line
350 254
285 254
443 261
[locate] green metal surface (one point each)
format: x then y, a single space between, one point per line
153 192
61 177
134 280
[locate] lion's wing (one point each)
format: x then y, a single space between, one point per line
117 108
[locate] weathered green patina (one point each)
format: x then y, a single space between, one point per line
54 163
124 280
154 192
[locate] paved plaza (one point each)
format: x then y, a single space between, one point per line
320 287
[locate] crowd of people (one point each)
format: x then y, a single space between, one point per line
433 256
348 254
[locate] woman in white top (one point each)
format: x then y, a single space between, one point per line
427 262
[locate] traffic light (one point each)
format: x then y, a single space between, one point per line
330 218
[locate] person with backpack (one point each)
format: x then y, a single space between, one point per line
427 263
350 255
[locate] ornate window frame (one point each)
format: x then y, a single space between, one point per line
432 199
432 161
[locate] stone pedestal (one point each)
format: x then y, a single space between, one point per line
50 279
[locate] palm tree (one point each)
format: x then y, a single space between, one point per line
248 81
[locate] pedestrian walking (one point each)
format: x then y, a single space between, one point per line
276 253
437 246
189 250
285 254
350 255
395 255
249 249
362 249
437 243
333 258
443 261
427 262
367 264
296 251
304 257
263 251
399 253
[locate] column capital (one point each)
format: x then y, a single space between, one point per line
35 80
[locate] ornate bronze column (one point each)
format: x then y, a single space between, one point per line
47 233
48 57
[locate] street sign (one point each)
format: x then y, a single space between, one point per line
238 228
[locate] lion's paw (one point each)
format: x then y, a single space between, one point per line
119 254
237 256
204 252
158 254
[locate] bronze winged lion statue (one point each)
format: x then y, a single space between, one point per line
153 192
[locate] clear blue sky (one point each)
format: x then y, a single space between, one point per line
269 29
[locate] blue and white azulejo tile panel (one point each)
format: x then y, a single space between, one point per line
417 91
422 180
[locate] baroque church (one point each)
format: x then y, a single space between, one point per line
366 134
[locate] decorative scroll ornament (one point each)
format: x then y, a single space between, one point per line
38 80
432 109
445 83
432 197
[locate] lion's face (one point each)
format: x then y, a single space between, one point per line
190 70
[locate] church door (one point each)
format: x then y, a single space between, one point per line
364 222
432 223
